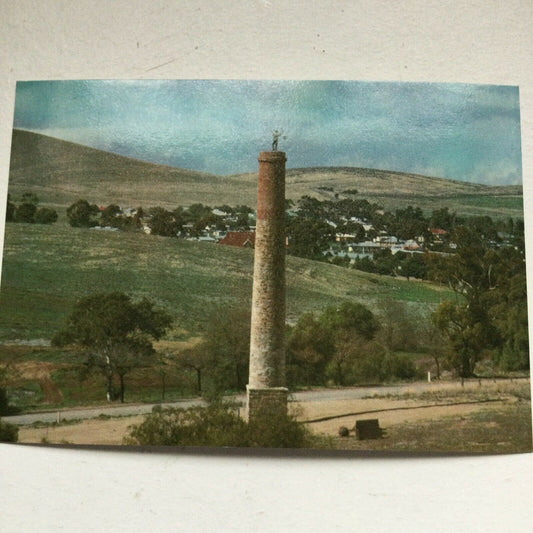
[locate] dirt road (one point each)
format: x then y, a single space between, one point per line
301 397
337 407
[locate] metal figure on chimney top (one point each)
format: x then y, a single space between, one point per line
275 137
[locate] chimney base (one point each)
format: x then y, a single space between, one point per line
266 403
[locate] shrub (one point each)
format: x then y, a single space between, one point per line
273 428
399 367
217 424
45 215
8 432
25 213
81 214
214 425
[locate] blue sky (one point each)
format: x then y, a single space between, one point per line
457 131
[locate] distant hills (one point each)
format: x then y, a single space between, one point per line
61 172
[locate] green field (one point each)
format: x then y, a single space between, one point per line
46 268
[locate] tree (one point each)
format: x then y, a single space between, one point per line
507 303
431 338
163 222
397 326
472 274
442 219
45 215
227 348
25 213
111 216
196 211
115 332
310 346
352 317
464 332
352 326
309 237
195 359
81 214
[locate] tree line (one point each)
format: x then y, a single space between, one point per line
27 210
346 344
181 221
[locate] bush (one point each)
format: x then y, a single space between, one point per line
216 424
272 428
25 213
8 432
81 214
399 367
45 215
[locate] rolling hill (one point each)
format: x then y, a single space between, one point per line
47 268
61 172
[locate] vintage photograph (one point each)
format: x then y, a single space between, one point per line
331 265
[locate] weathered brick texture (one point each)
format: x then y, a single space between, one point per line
267 343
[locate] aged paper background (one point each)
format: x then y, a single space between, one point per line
482 41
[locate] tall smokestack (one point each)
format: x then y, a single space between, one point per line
266 384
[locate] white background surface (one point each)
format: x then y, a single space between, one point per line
488 41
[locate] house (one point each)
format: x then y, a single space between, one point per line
411 245
386 240
242 239
438 234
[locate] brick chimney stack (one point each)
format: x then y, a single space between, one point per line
266 384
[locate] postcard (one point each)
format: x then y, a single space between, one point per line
327 265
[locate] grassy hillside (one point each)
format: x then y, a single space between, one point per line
396 189
61 172
46 268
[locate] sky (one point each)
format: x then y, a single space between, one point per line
457 131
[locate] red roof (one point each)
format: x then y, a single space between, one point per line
239 238
438 231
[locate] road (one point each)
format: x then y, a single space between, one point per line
349 393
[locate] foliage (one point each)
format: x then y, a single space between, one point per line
7 374
492 313
25 213
350 317
116 332
217 424
81 214
272 428
163 222
111 216
227 348
28 212
8 432
196 359
508 310
309 348
397 322
213 425
329 346
308 237
45 215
